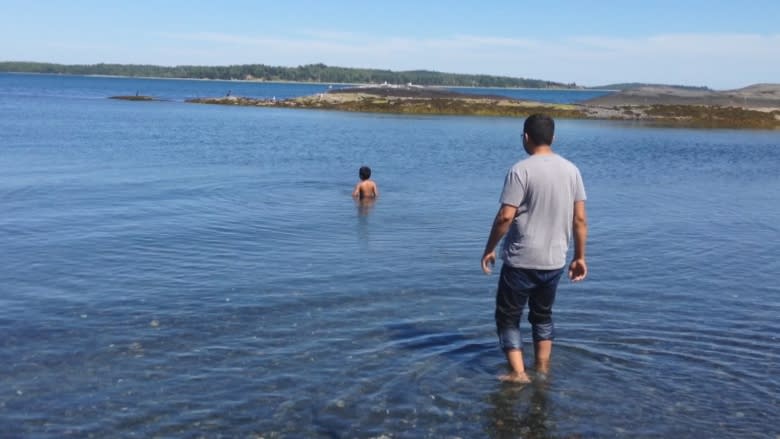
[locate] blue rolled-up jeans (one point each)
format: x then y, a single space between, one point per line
516 287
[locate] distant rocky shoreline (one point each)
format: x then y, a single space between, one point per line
755 96
756 106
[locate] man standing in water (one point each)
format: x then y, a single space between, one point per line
542 202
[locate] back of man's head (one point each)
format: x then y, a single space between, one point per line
540 129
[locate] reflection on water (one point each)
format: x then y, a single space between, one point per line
364 206
512 412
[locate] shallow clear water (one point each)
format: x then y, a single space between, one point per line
182 270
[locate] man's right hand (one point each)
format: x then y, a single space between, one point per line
488 260
578 269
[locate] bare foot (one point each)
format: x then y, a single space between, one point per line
515 377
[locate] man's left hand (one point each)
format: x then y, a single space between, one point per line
488 260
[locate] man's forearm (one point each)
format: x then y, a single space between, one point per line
497 231
580 228
580 238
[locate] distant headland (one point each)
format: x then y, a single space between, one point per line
316 73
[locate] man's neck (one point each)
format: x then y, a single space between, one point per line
542 150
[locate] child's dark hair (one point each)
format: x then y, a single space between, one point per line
365 172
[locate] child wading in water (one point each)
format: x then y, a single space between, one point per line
366 188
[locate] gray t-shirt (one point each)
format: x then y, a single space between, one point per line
544 189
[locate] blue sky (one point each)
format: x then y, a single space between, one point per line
719 44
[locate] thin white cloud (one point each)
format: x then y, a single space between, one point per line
495 42
357 42
330 34
719 60
69 46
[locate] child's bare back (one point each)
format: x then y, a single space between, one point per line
366 188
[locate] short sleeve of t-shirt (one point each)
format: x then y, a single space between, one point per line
579 189
514 189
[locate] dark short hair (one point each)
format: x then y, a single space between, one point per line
540 129
365 172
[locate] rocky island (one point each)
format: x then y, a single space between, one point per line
752 107
406 100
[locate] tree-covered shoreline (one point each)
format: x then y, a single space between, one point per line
318 73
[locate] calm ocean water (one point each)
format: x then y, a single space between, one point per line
177 270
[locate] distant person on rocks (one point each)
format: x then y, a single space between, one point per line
542 203
366 188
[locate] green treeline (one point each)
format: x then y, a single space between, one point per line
307 73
